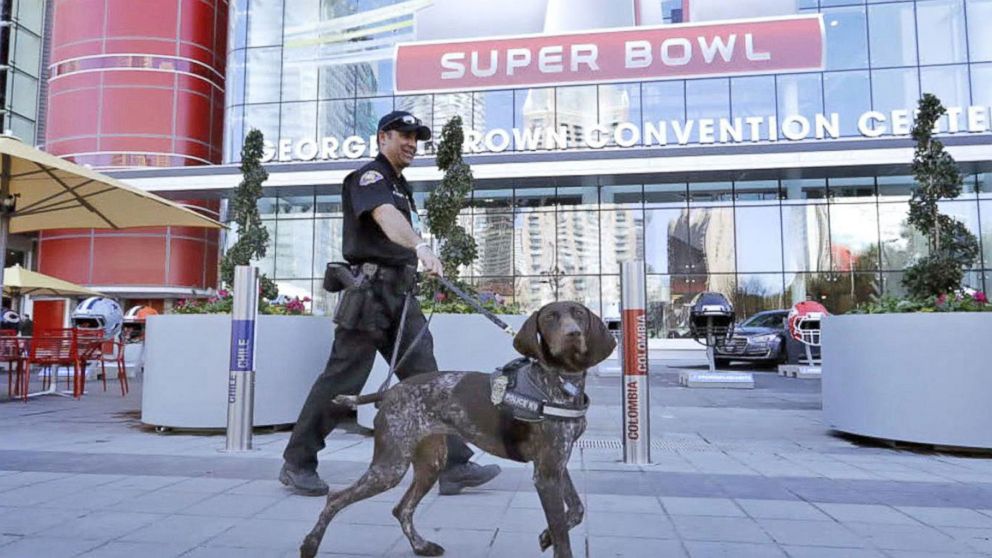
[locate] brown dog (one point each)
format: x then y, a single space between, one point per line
563 339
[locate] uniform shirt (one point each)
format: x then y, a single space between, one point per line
370 186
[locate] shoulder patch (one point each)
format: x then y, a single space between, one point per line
368 177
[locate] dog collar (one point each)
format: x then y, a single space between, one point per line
514 389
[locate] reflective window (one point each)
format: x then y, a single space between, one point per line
533 292
576 111
950 85
838 292
578 242
450 105
666 241
848 190
295 207
901 243
706 100
941 28
805 237
27 52
326 244
298 122
752 96
799 94
299 77
748 192
265 23
847 38
896 186
666 195
293 245
854 237
710 193
533 108
663 102
338 81
981 84
581 289
265 118
757 292
986 236
897 89
493 110
534 243
796 190
233 133
669 298
892 28
979 39
711 240
262 79
327 205
849 95
235 75
337 118
492 201
621 238
535 199
759 239
625 196
367 114
493 233
619 103
237 24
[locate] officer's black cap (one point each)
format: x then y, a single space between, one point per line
404 122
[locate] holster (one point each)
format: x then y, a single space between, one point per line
338 276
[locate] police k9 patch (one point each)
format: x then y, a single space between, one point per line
369 177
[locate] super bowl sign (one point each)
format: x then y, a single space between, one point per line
756 46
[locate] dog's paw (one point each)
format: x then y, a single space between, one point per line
429 549
544 539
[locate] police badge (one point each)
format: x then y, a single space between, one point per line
498 389
368 177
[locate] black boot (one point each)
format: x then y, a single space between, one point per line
465 475
301 481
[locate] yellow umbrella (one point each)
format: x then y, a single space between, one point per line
19 281
40 191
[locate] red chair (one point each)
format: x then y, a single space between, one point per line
93 349
54 349
11 352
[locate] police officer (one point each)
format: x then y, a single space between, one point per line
381 240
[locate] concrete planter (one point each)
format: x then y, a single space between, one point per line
187 361
921 378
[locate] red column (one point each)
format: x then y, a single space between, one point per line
136 84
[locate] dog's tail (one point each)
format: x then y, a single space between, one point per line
353 401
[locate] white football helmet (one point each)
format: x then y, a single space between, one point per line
99 312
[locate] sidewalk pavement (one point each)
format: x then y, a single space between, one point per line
735 473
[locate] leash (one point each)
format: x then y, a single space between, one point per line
468 299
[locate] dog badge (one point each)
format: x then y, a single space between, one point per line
498 387
369 177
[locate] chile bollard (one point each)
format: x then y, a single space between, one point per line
241 381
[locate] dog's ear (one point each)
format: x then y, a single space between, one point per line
528 340
599 340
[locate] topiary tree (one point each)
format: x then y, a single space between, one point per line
253 237
952 247
444 204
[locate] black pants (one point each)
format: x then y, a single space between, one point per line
348 368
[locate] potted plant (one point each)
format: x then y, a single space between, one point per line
916 369
187 352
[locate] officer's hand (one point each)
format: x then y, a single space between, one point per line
432 264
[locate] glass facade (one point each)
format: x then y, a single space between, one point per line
21 65
768 243
325 68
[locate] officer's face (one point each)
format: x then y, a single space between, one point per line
399 147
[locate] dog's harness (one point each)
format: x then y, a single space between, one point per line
513 389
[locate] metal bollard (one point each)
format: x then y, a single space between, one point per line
241 381
636 401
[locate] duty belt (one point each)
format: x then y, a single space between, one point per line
514 389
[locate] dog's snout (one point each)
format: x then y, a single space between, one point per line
574 332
